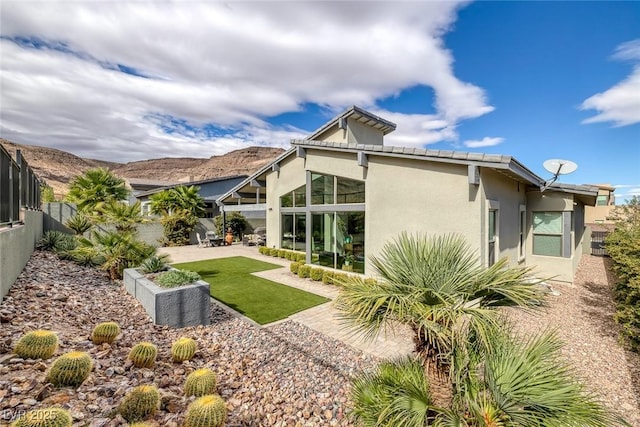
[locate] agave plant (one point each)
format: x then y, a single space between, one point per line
155 263
79 224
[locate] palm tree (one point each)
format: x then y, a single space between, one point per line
124 217
116 251
436 286
180 208
94 187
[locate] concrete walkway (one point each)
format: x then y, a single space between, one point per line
323 318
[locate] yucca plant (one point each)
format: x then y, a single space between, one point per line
51 238
79 224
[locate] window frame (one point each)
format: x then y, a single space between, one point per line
560 234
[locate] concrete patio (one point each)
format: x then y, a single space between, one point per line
322 318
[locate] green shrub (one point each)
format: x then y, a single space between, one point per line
273 252
294 266
301 257
263 250
281 253
175 278
327 277
50 239
304 271
316 274
79 223
340 278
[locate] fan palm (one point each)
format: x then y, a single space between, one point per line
94 187
180 208
124 217
117 251
436 286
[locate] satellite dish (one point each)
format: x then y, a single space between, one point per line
557 167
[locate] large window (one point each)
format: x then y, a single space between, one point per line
338 240
293 231
329 190
547 233
294 199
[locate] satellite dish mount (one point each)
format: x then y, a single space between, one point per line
557 167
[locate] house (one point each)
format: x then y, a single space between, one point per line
341 194
605 205
209 189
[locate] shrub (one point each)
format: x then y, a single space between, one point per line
143 355
105 332
282 253
304 271
45 417
273 252
316 274
79 224
154 264
183 349
294 266
140 403
175 278
340 278
38 344
206 411
370 281
301 257
263 250
70 369
200 382
327 277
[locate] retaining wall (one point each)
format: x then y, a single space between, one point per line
16 246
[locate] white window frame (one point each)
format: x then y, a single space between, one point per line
493 205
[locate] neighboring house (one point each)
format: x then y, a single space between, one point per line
140 185
209 189
341 194
605 205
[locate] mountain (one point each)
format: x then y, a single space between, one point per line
57 168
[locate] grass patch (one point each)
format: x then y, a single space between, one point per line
264 301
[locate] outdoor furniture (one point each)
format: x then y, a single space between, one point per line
213 238
202 243
252 240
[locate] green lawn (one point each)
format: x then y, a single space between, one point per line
259 299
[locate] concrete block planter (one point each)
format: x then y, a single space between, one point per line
176 307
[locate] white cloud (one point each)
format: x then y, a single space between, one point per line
619 104
484 142
228 65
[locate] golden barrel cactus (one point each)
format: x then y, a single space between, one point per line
46 417
183 349
143 355
38 344
200 382
206 411
70 369
140 403
105 332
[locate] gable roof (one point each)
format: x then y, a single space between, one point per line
188 184
360 115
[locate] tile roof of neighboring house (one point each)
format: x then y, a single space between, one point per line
190 183
143 181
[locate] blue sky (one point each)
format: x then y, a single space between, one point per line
128 80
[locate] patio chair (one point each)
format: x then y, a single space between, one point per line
202 243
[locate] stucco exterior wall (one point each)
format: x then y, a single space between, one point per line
509 194
333 134
551 267
359 133
16 246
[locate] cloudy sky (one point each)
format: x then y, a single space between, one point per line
131 80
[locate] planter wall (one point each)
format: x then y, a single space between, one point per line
175 307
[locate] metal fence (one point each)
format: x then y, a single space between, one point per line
19 187
598 245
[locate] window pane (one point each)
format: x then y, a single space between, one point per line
547 245
321 189
602 200
323 239
286 201
547 222
350 191
492 225
300 197
287 231
300 232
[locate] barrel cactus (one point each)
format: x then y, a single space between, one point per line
206 411
143 355
141 424
105 332
70 369
200 382
140 403
183 349
46 417
38 344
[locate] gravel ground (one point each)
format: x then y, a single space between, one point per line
285 375
582 313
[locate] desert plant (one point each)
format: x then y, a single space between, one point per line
105 332
143 354
50 239
70 369
200 382
94 187
46 193
304 271
395 394
154 264
175 278
119 251
65 246
79 223
38 344
206 411
370 281
273 252
294 266
301 257
316 274
124 217
327 277
85 255
45 417
180 208
141 424
139 403
183 349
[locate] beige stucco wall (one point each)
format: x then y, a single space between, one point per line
333 134
558 268
359 133
509 194
598 214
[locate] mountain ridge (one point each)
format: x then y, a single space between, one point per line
58 167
